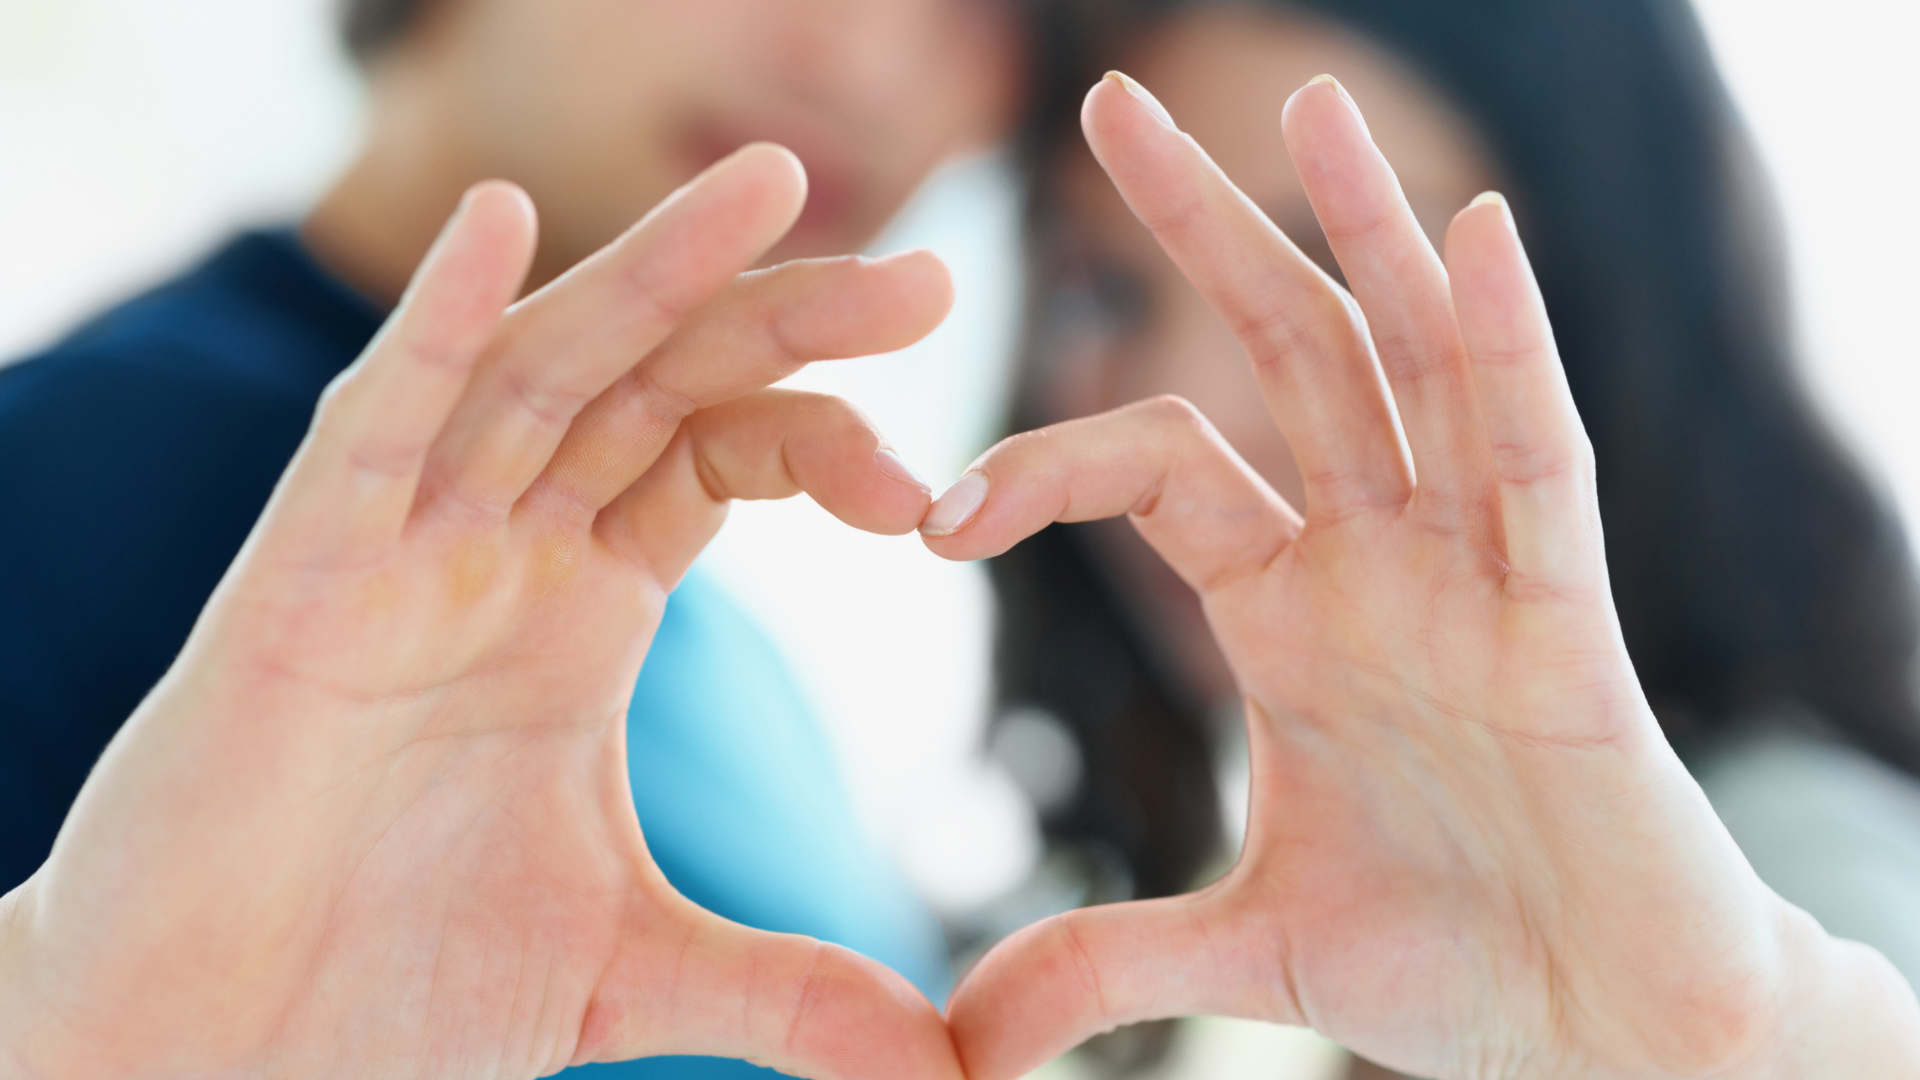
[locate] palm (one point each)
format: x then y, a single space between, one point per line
377 820
1405 712
484 812
1455 774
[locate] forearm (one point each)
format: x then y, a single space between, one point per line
1851 1013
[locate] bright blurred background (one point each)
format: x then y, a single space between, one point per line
136 133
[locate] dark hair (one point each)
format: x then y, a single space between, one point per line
1753 565
370 27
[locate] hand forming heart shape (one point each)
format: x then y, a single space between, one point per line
376 821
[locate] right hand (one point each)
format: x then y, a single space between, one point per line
376 821
1470 852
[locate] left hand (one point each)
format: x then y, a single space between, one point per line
376 822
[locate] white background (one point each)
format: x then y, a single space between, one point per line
133 133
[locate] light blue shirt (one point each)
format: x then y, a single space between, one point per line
743 809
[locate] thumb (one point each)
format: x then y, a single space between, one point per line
1056 983
703 985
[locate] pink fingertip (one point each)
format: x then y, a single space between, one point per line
1145 99
892 464
952 511
1340 90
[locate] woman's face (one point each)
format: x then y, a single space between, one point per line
1224 74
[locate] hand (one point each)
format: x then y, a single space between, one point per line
376 820
1470 851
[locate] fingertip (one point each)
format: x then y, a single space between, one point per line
939 277
504 216
774 172
502 198
957 507
1318 88
898 502
926 278
896 468
1482 235
1091 105
835 454
1111 112
775 160
1324 99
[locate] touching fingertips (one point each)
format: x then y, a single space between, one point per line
892 464
952 511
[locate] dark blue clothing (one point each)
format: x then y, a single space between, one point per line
134 458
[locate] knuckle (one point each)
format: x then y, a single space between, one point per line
1524 464
1506 356
1176 412
664 404
1410 358
1341 231
1180 218
809 991
1276 332
551 405
648 302
440 356
337 396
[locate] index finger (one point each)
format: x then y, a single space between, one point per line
561 347
353 483
1158 461
1307 340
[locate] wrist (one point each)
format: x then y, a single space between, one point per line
1847 1011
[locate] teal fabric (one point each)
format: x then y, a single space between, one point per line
741 803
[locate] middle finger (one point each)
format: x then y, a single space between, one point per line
561 347
1402 285
1307 341
764 327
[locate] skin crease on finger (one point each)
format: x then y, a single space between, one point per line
1226 73
601 108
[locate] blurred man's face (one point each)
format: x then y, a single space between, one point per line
600 108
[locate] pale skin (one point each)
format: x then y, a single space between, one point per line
376 821
600 108
1226 71
1470 852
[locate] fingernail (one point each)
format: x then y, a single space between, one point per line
952 511
1146 100
1340 89
891 464
1494 198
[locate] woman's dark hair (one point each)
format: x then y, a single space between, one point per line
370 27
1753 566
